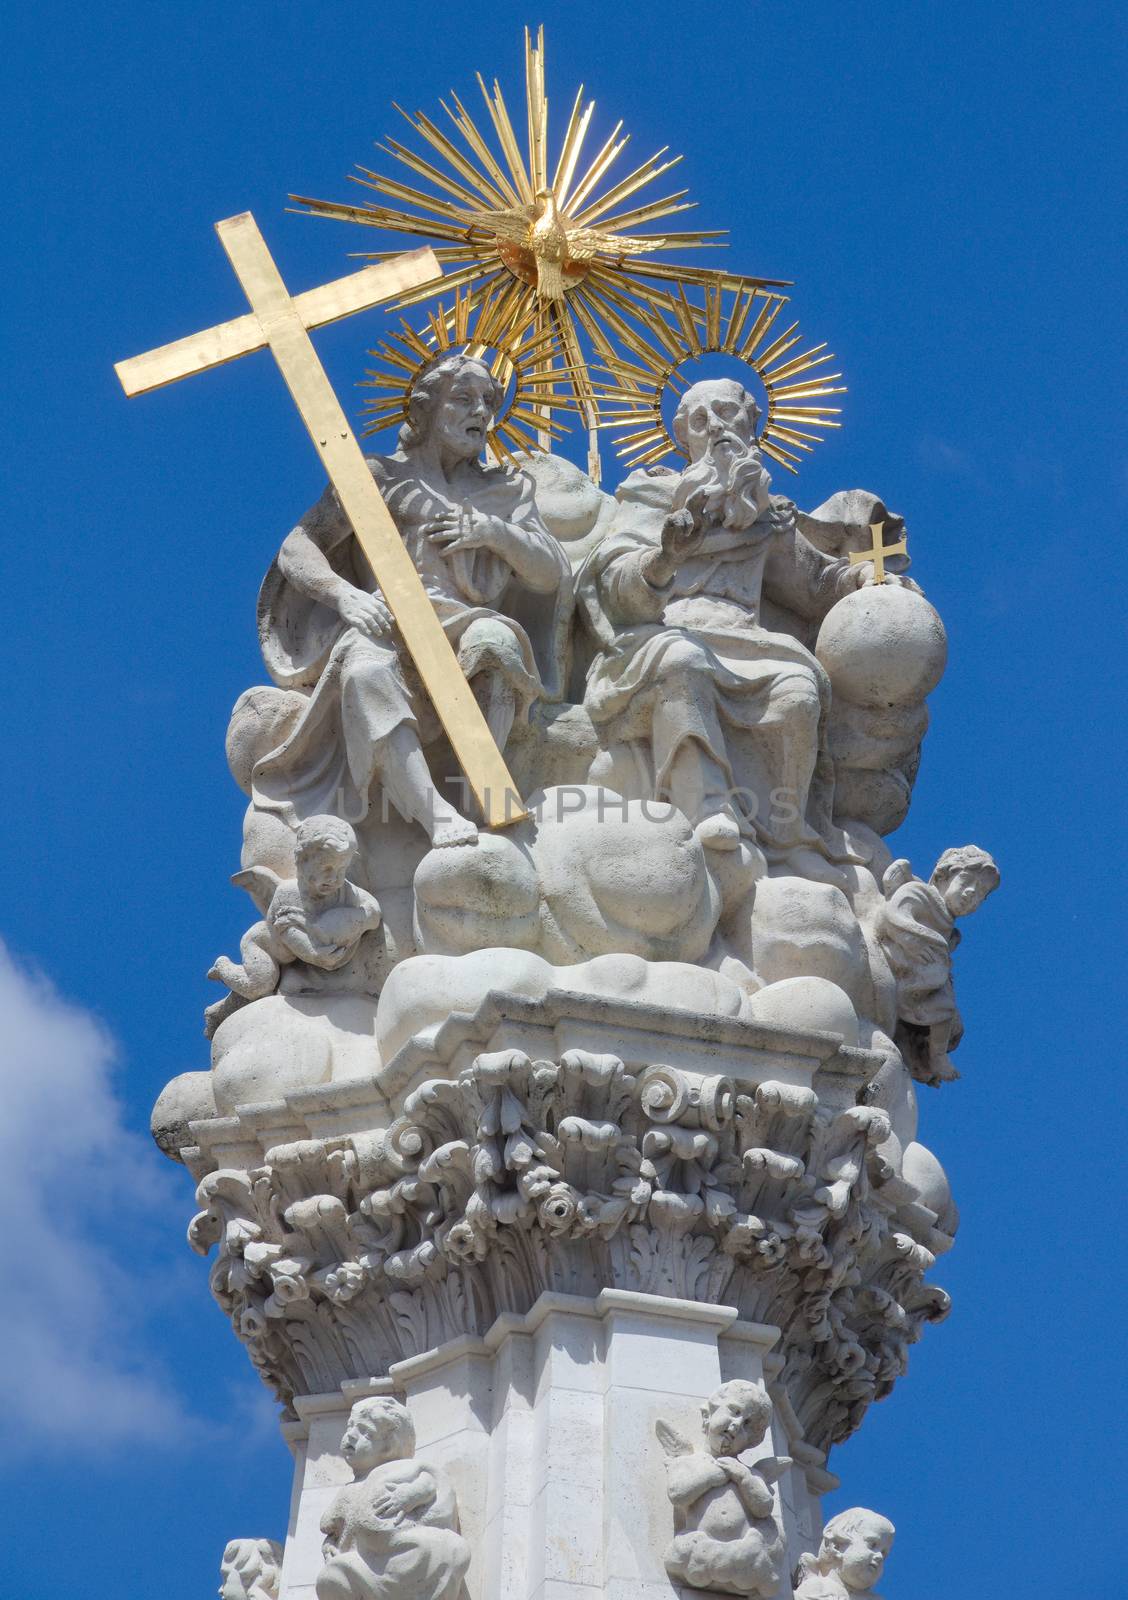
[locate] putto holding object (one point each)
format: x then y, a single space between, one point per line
318 917
726 1535
393 1534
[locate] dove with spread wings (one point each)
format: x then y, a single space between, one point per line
545 242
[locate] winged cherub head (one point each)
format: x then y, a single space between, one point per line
735 1417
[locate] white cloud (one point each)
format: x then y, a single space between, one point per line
74 1182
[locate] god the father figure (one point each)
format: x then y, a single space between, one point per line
693 699
325 629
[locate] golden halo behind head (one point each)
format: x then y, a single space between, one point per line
519 355
739 322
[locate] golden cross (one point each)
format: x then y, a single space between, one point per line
879 552
281 321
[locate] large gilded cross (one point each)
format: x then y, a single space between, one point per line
281 321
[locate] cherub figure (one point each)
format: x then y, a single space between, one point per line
918 933
851 1558
726 1534
317 916
251 1570
393 1533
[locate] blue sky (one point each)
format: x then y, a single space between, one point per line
945 184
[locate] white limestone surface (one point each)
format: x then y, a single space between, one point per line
545 1428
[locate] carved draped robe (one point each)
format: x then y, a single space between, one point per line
360 690
416 1555
918 935
693 661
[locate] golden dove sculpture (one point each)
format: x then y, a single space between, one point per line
539 244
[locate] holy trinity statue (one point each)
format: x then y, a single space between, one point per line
684 783
662 1031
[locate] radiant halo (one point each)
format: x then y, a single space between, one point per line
501 217
521 358
741 324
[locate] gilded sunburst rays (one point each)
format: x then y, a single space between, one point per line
746 323
522 357
553 233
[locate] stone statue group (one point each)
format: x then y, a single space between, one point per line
714 715
696 608
714 718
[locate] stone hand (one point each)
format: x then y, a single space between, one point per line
366 612
682 534
749 1485
394 1500
681 538
865 577
469 530
696 505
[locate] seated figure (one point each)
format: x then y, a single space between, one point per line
318 917
393 1533
693 699
473 532
851 1558
726 1533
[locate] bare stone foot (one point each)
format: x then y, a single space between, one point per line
453 830
719 832
798 837
943 1070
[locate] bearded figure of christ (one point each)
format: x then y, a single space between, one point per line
693 699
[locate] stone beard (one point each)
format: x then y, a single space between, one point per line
728 485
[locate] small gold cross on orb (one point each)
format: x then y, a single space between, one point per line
281 322
879 552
